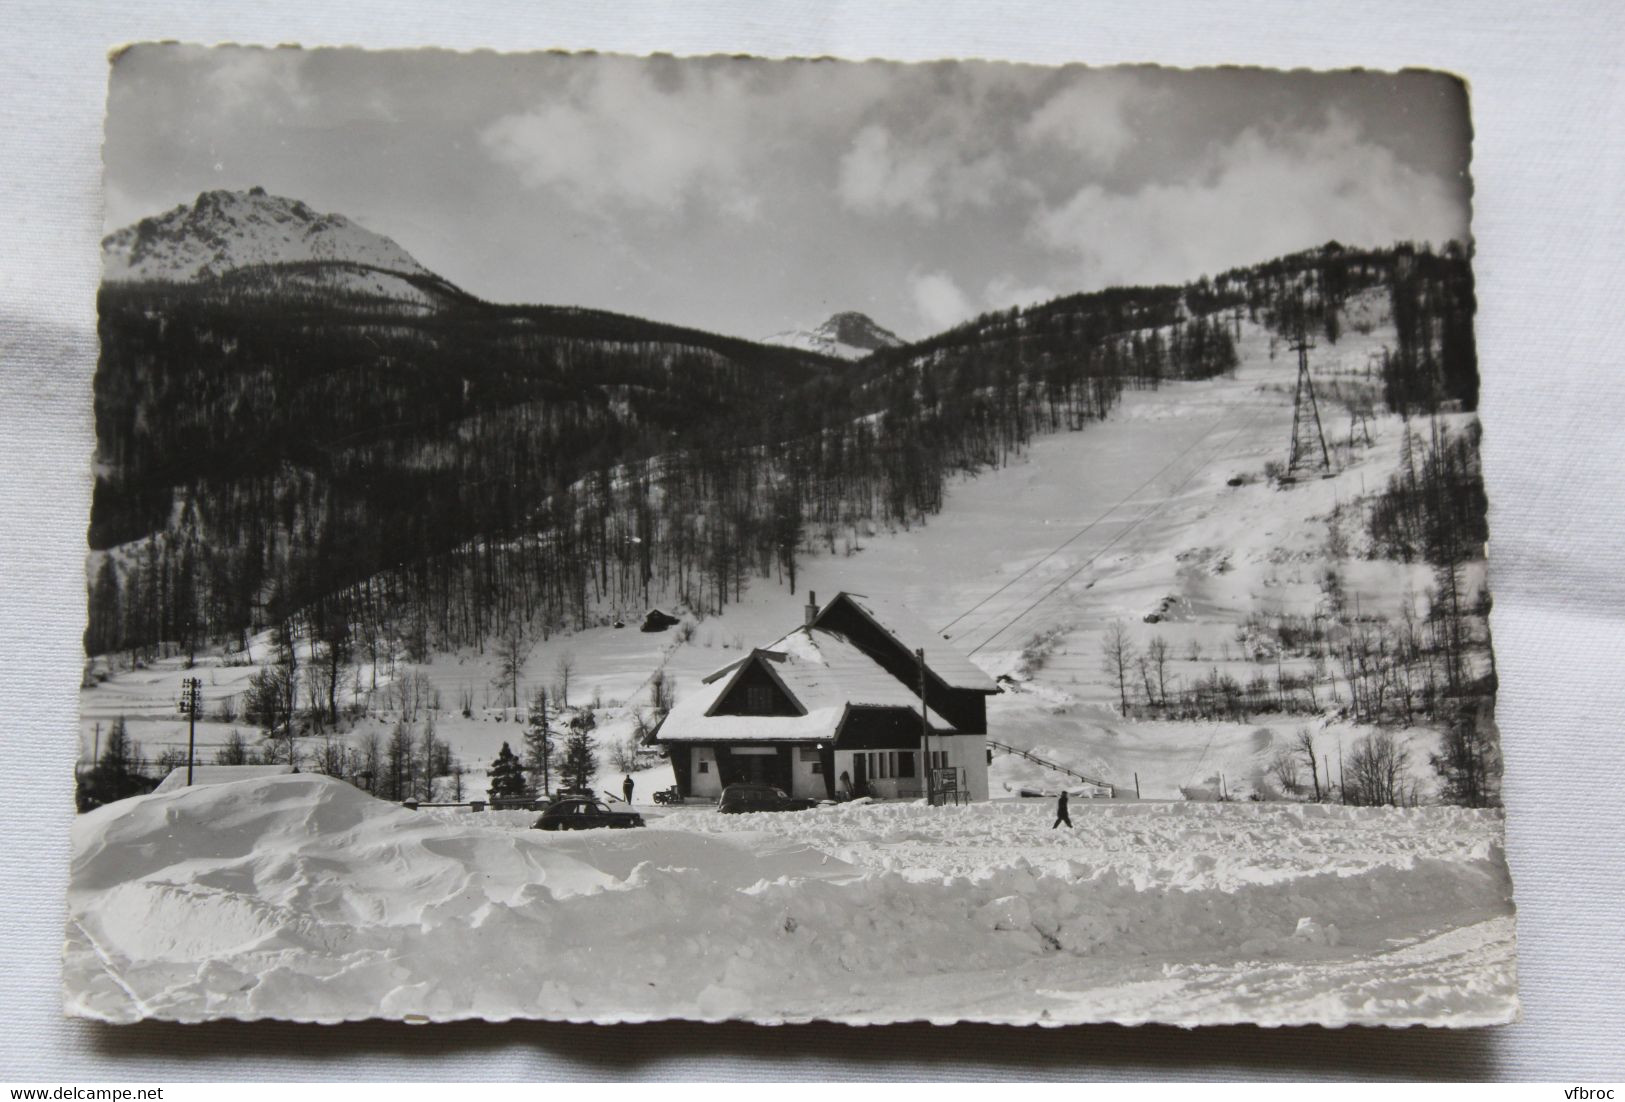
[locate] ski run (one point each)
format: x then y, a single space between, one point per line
299 896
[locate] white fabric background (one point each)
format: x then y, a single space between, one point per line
1547 104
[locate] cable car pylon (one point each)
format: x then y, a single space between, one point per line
1308 448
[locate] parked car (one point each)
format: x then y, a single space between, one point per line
580 813
739 798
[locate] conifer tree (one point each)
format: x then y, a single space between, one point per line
580 763
539 746
507 776
117 773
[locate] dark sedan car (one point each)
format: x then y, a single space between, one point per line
577 813
740 798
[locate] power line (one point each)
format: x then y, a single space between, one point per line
1086 528
1114 540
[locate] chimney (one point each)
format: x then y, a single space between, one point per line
812 608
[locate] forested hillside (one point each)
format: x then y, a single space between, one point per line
384 458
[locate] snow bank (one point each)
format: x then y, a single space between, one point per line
300 897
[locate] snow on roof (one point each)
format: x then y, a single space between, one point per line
688 722
942 658
821 670
219 774
823 667
691 724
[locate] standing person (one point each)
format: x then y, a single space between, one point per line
1060 811
626 787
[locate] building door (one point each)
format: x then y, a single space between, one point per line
757 770
759 765
860 774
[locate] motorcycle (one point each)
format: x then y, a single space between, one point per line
669 796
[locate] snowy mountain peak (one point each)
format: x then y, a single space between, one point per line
225 230
848 334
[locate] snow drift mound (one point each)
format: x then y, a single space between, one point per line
299 896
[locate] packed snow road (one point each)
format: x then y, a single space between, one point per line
301 897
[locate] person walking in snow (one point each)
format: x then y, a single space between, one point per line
1060 811
626 787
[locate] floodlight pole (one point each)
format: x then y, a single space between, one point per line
925 734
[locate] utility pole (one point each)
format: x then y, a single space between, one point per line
191 703
1303 444
1342 790
925 734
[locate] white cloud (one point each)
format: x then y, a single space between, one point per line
939 301
881 174
1255 198
1088 119
1004 291
616 136
875 178
250 78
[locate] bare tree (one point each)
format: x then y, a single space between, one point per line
234 751
1118 658
330 758
1157 652
662 694
331 663
1284 768
1376 771
513 647
623 753
563 670
371 763
1468 764
1305 745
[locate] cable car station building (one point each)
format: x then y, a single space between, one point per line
834 708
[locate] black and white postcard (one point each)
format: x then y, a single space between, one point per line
604 538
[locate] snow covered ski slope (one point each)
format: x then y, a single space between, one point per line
299 896
1129 517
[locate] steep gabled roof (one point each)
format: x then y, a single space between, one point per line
942 658
821 671
823 667
767 660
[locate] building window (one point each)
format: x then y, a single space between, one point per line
759 699
809 753
905 764
883 765
705 767
817 767
939 759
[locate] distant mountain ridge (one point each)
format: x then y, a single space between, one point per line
848 335
223 231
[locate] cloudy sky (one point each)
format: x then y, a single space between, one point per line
750 196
